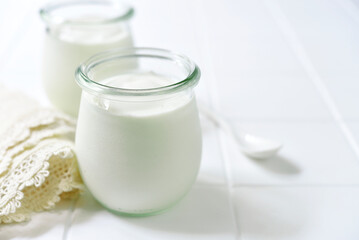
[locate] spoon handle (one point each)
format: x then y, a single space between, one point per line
218 120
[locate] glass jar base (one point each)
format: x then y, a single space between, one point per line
134 215
139 214
142 214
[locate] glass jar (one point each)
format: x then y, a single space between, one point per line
138 137
76 30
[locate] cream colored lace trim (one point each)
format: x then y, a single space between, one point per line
38 166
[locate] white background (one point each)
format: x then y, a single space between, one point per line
285 69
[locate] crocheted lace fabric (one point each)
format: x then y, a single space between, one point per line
38 166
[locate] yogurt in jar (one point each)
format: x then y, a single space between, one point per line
138 157
76 30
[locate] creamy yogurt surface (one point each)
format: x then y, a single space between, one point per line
138 157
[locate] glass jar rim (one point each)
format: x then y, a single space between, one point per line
88 84
46 10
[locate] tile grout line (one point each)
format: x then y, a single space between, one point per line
206 57
301 185
350 8
300 53
69 219
285 120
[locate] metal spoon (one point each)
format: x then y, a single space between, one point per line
253 146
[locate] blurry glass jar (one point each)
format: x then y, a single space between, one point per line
76 30
138 137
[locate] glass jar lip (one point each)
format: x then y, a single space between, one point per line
46 10
90 85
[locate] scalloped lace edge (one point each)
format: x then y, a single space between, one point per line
64 151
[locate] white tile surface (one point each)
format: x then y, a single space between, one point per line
344 88
43 226
26 52
212 169
329 35
257 75
12 22
298 213
313 153
203 214
160 31
25 82
271 98
354 128
245 39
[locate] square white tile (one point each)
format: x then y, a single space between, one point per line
212 168
313 153
26 83
297 213
244 40
257 74
43 226
162 24
161 33
12 22
356 3
354 128
328 32
25 53
344 88
203 214
271 97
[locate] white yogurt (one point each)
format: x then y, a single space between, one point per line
138 157
65 48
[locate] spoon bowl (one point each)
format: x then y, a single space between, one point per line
258 147
251 145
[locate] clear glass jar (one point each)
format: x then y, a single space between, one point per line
76 30
138 137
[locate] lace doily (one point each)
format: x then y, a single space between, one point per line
38 166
